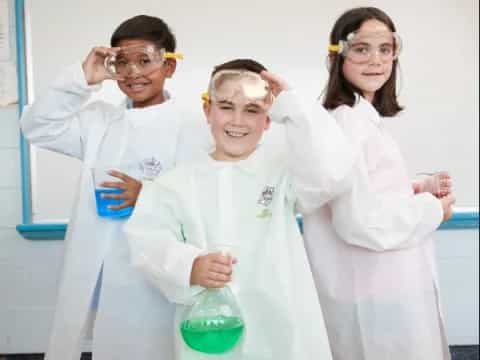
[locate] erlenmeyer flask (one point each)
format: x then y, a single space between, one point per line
213 323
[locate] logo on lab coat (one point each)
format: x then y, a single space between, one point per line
150 167
265 200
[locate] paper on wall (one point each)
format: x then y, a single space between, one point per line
4 31
8 84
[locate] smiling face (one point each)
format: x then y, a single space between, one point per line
371 75
145 90
236 126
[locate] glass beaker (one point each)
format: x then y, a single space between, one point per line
101 175
213 323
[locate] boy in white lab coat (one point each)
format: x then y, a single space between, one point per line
243 197
142 136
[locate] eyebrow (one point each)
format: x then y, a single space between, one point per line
225 102
362 43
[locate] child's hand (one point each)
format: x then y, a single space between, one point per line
438 184
130 186
213 270
276 83
94 65
447 203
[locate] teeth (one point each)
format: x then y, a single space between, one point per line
137 86
234 134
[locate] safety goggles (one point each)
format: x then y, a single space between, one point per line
239 87
138 60
362 47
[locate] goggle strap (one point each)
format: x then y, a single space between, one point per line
172 55
334 48
205 97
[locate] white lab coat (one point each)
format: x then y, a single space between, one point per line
372 256
131 313
191 209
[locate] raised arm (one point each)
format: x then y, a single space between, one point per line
57 119
319 156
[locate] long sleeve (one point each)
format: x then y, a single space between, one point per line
319 156
157 245
383 221
382 213
54 121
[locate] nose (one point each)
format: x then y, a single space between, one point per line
133 70
237 117
375 58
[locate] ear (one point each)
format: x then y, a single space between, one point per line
206 110
170 67
268 121
330 60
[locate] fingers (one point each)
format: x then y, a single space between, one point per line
217 268
218 275
128 201
213 270
219 278
443 187
220 270
276 83
94 65
104 51
443 180
114 185
417 187
121 175
128 182
443 175
130 188
123 205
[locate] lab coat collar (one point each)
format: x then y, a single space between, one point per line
251 165
150 113
368 109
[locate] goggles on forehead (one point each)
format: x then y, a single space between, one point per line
360 47
239 86
138 60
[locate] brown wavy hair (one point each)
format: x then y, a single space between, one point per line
339 90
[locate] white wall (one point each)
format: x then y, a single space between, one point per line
439 129
29 270
457 260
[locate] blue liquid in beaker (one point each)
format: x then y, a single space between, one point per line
103 204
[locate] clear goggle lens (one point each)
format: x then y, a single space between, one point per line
138 60
361 47
239 87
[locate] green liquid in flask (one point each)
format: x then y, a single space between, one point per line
215 335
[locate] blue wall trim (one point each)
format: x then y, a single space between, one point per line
460 220
42 231
22 101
